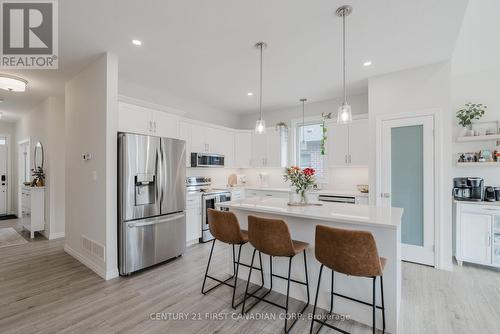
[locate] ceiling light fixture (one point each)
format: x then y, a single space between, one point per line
367 63
303 144
250 94
344 115
260 124
12 83
136 42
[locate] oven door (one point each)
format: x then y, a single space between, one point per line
209 202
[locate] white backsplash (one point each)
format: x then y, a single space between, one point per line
338 178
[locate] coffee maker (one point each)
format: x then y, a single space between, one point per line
468 189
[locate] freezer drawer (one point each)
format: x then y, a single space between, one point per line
150 241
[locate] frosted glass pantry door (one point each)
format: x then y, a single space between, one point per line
408 182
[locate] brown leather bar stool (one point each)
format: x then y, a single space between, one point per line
224 227
272 237
352 253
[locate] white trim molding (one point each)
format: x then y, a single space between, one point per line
439 191
107 275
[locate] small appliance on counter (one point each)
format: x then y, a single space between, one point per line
232 180
468 189
241 179
489 194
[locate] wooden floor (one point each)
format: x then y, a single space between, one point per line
44 290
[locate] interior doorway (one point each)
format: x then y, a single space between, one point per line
24 169
407 180
4 175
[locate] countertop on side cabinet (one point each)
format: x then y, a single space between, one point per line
497 203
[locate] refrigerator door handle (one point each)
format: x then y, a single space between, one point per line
154 222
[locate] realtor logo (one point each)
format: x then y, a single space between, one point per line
29 34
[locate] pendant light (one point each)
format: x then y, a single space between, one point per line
303 144
344 115
260 125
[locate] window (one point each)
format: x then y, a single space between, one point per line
309 152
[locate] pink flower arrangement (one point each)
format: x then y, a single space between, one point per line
301 179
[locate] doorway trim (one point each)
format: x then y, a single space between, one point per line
438 170
9 173
19 173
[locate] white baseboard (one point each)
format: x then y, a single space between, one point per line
91 264
56 235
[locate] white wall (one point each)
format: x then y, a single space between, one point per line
412 91
9 129
476 77
91 126
45 123
188 109
359 104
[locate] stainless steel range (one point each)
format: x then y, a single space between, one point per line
209 197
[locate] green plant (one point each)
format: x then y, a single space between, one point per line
469 113
38 175
324 117
281 125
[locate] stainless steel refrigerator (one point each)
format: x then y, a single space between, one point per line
151 200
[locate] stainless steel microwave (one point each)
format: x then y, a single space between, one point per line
207 160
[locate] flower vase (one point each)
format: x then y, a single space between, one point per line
303 197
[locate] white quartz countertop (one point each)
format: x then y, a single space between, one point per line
319 192
497 203
334 212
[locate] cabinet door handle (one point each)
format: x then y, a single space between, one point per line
150 126
345 158
350 159
154 126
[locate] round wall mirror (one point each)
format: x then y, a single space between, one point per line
38 155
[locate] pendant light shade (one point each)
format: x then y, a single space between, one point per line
260 124
344 115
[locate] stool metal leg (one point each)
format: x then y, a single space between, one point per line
316 298
236 275
383 306
248 282
288 292
374 307
208 265
307 277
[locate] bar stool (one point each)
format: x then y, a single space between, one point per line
272 237
224 226
352 253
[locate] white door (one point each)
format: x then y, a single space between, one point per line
407 181
475 237
3 178
358 143
198 139
337 144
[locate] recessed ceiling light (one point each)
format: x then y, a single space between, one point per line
12 83
136 42
250 94
367 63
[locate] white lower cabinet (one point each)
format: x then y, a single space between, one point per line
237 194
193 218
33 209
477 234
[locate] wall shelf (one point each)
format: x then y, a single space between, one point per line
478 164
478 138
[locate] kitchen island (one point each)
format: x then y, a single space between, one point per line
383 223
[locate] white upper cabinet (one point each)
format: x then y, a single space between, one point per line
337 144
165 125
199 139
243 149
269 149
134 119
141 120
358 143
347 144
185 134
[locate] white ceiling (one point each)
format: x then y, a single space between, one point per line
203 50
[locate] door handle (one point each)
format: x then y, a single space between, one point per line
154 222
385 195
